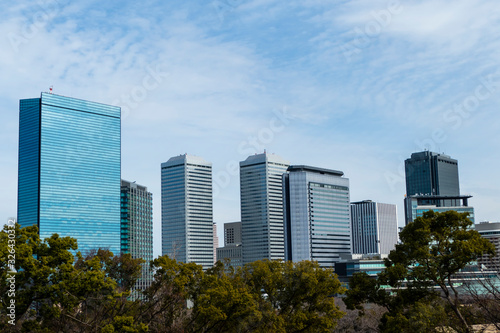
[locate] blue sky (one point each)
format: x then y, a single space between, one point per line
355 86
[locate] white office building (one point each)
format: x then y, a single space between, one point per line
262 207
374 227
187 210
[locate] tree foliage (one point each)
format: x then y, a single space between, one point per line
419 273
60 290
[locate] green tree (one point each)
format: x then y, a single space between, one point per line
55 293
433 249
294 297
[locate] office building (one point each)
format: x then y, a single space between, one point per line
262 207
432 183
432 174
186 210
374 227
216 242
417 205
490 231
69 170
232 245
317 215
137 227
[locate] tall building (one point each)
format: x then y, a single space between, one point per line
137 227
262 207
431 173
186 210
317 215
69 170
490 231
232 245
432 183
374 227
216 242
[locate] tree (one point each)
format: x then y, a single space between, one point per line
55 293
433 249
295 297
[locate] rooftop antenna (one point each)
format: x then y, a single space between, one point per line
50 89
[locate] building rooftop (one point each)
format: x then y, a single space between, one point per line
306 168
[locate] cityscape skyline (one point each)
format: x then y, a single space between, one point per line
305 81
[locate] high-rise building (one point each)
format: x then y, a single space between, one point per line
216 242
432 183
490 231
262 207
374 227
69 170
431 173
186 210
232 245
317 215
137 227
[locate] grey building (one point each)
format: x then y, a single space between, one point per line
490 231
317 215
232 245
262 207
187 210
137 227
374 227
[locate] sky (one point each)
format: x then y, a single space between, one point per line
355 86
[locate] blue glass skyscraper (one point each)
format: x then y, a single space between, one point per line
69 170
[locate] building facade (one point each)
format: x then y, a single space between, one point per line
417 205
137 227
232 245
69 170
262 207
317 215
431 173
187 210
374 227
490 231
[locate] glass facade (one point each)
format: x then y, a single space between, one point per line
187 210
137 227
317 215
262 207
69 170
431 173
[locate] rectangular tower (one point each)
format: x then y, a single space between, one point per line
431 173
317 215
137 227
186 210
69 170
374 227
262 207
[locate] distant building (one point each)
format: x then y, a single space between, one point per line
216 242
317 215
348 265
262 207
431 173
186 210
232 245
69 170
432 182
490 231
137 227
416 205
374 227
